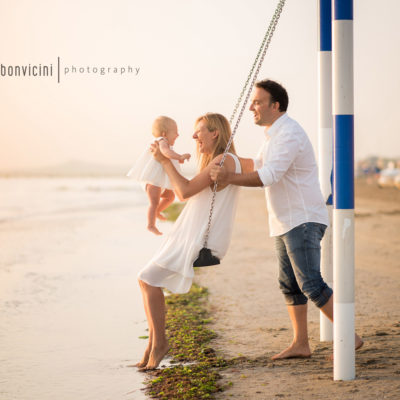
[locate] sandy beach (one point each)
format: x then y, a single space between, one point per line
251 319
72 313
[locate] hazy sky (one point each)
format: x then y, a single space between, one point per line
194 56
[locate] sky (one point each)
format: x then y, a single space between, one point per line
193 56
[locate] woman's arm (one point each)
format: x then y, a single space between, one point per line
185 188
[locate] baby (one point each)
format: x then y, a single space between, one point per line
150 171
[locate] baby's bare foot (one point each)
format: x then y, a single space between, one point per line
153 229
161 217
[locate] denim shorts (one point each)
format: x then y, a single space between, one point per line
299 257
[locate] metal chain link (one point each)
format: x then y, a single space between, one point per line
257 63
252 70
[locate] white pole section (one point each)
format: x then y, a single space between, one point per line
325 141
343 213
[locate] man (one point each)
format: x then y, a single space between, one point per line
298 217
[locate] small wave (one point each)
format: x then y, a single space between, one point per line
92 188
73 210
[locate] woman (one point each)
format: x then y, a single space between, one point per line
172 266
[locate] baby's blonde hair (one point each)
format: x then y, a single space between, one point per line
161 124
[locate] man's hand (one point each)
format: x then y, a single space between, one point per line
155 149
219 174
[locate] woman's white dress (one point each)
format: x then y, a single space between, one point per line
172 265
148 170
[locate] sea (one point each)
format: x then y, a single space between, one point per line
71 313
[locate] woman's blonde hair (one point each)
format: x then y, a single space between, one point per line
215 122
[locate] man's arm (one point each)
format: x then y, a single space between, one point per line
285 149
251 179
247 165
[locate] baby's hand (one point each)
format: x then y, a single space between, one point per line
184 157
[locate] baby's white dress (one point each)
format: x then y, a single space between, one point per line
148 170
172 265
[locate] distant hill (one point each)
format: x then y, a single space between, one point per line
73 168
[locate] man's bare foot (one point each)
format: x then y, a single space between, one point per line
294 351
358 342
156 356
161 217
153 229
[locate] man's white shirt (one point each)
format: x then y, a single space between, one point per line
286 165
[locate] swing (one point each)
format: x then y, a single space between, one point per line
206 258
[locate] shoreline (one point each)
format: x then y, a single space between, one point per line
71 307
251 321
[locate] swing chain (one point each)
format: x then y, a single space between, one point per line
257 62
267 36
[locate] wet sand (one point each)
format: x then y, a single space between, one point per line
71 309
251 319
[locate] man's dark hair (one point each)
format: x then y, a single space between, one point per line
278 92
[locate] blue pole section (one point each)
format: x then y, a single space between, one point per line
325 142
343 213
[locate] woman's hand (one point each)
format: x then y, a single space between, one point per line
155 149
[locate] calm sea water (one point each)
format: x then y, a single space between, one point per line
71 310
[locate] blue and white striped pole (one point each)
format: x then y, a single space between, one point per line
325 141
343 213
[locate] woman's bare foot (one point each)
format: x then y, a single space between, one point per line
145 358
156 356
295 350
153 229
